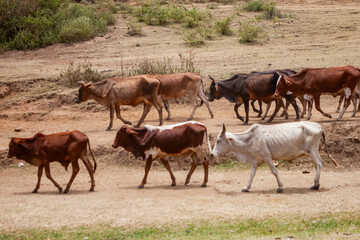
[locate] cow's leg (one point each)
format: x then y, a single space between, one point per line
40 171
292 101
254 166
167 108
285 108
277 108
206 172
148 163
118 115
310 105
246 104
48 175
317 106
318 165
287 103
354 100
90 169
204 99
111 108
347 92
75 170
342 96
252 102
192 169
159 110
303 103
195 105
268 105
167 166
236 109
274 171
147 108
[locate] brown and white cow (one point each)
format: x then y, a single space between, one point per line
65 148
114 92
315 81
180 84
150 143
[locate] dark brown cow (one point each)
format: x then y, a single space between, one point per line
65 148
150 143
180 84
315 81
114 92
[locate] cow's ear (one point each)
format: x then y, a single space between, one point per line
223 129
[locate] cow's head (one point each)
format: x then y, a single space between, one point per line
222 143
84 92
215 93
15 148
282 86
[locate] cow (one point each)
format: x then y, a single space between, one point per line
150 143
241 88
261 143
180 84
114 92
316 81
65 148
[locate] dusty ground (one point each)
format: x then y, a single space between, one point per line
320 34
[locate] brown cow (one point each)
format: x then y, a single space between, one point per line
315 81
180 84
150 143
65 148
114 92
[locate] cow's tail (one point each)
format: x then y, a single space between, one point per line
92 156
327 151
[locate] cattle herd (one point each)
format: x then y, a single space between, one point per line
259 144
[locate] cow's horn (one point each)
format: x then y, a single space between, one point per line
212 79
223 129
81 82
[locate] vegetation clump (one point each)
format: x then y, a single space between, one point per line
250 32
33 24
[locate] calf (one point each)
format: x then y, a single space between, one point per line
150 143
65 148
261 144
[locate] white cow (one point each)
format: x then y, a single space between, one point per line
262 143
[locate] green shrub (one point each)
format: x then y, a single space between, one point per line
194 38
270 11
223 26
250 32
39 23
254 6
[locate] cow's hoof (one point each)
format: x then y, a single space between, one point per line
245 123
315 187
91 189
245 190
203 185
108 129
353 115
328 115
140 186
212 115
35 191
173 184
167 119
128 123
186 183
263 118
296 119
241 118
60 189
279 190
66 191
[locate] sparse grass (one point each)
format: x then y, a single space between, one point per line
326 226
270 11
165 66
194 38
81 72
250 32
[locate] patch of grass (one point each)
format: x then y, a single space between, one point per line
81 72
250 32
270 11
194 38
223 26
231 164
134 28
322 227
254 6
